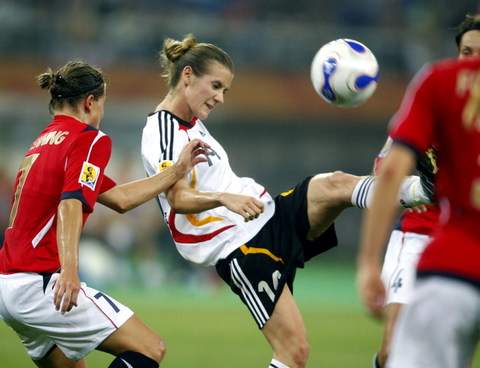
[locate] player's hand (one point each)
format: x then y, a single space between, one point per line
371 288
65 291
417 209
192 153
247 207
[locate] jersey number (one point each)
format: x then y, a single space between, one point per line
108 300
263 285
25 167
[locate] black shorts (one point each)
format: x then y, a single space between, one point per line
258 270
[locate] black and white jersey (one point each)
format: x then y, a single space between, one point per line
205 237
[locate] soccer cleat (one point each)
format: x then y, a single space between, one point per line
412 193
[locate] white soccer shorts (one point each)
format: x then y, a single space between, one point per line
440 328
399 266
27 307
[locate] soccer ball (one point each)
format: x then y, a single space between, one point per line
344 72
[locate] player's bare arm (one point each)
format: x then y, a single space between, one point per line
377 222
69 227
125 197
184 199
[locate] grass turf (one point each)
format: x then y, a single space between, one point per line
210 328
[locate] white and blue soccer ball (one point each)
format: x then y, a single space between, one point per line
344 72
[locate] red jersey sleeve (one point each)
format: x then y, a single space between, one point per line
85 167
413 124
107 184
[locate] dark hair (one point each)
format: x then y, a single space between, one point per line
72 83
470 23
176 55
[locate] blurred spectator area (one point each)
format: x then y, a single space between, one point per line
279 35
271 41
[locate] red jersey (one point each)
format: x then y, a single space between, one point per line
411 221
67 160
441 107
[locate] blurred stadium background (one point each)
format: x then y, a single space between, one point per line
274 126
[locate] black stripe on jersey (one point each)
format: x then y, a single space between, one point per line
165 123
170 151
160 131
166 129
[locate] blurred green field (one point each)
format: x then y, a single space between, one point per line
210 328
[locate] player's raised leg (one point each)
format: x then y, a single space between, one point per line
286 333
330 193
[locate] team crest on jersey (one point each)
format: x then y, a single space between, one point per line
164 165
89 175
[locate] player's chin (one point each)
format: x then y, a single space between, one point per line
204 113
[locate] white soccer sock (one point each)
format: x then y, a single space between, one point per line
411 192
277 364
363 192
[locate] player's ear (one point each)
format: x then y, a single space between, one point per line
187 73
88 102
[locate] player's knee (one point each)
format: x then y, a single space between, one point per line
332 188
160 349
300 353
338 180
156 349
295 351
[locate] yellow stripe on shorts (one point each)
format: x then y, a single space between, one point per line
287 193
252 250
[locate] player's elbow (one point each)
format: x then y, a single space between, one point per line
178 205
176 201
184 200
121 209
125 204
118 207
183 206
